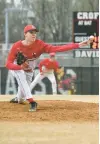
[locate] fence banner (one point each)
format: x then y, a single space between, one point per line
75 80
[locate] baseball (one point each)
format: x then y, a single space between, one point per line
91 37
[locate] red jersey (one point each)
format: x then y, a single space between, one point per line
34 50
50 65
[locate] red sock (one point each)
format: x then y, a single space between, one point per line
30 100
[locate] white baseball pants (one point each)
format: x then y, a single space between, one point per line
50 76
24 80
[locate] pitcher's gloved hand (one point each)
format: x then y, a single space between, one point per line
20 58
25 66
23 62
59 73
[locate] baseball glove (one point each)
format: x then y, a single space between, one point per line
60 73
22 60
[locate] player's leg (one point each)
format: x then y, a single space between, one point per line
20 95
52 79
15 99
37 79
29 76
20 98
24 87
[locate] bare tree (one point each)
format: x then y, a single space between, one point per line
2 19
53 18
89 5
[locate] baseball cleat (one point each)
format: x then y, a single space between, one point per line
33 107
14 100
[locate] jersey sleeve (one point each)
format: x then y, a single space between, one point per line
47 48
10 59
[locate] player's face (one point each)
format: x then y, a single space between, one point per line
31 35
53 58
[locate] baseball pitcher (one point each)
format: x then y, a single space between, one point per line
22 57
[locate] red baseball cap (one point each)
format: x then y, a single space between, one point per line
52 54
30 27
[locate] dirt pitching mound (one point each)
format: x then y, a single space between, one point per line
50 111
